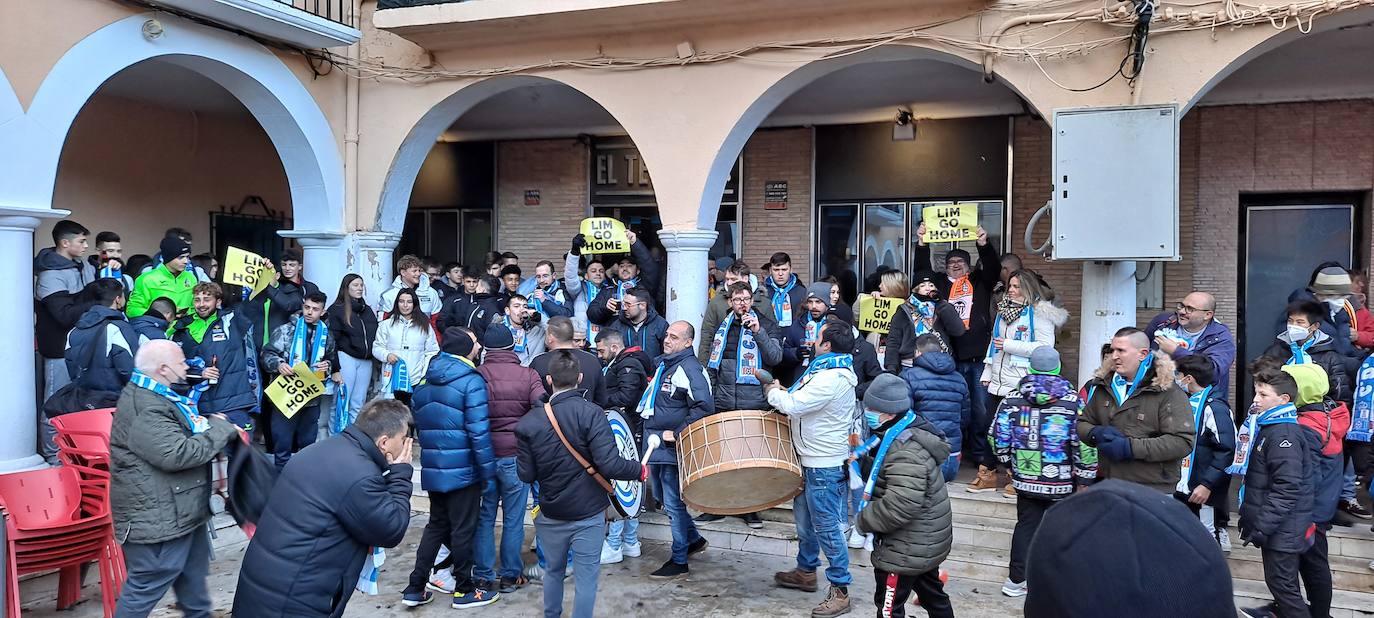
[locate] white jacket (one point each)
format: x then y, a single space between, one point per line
821 413
404 338
1003 370
430 302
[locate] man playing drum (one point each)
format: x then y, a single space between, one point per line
820 407
678 393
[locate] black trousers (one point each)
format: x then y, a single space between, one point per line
1283 571
893 590
1029 513
453 522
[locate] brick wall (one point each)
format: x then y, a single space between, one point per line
558 169
782 154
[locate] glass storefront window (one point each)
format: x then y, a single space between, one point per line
884 240
837 230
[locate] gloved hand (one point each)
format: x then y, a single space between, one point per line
1115 447
579 241
1250 535
1104 433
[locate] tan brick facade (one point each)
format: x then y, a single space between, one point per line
781 154
558 170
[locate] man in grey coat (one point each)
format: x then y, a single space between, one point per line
160 450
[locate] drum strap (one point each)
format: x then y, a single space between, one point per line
582 461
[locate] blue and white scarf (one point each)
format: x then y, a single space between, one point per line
649 399
516 333
1199 402
813 327
1300 355
186 406
552 294
108 272
1122 391
625 285
1248 435
317 346
338 421
888 438
829 360
1028 334
1363 414
923 315
782 302
400 378
747 361
372 568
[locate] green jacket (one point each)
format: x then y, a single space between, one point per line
160 282
909 514
159 472
1158 421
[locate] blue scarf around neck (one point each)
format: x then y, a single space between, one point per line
829 360
187 407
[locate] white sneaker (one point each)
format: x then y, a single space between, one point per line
856 540
441 581
1012 589
631 551
1224 540
611 555
868 542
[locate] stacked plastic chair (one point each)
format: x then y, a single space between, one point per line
59 518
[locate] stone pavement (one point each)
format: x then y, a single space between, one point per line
722 583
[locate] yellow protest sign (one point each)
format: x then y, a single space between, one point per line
604 235
291 393
950 223
875 314
247 269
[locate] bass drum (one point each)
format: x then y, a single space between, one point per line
738 462
628 497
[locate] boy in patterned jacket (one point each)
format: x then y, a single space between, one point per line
1035 435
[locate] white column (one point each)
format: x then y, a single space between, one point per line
324 255
1108 305
370 254
18 438
687 274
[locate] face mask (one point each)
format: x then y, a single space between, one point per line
1336 304
874 419
1297 333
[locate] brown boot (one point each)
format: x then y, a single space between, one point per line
1009 491
796 579
835 604
986 481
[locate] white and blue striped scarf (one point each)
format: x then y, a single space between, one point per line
185 405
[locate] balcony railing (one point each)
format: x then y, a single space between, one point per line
303 23
337 11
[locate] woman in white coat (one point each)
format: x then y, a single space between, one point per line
1024 321
404 340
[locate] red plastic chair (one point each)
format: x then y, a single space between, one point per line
94 423
57 521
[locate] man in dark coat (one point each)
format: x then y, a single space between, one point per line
784 291
635 270
1192 329
156 321
101 349
735 357
572 504
283 298
224 340
328 508
559 335
634 316
473 311
627 373
512 390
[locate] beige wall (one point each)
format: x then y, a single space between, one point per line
137 169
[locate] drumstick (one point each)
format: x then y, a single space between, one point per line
654 441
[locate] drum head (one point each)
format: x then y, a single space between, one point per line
627 496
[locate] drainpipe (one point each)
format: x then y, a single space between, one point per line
352 90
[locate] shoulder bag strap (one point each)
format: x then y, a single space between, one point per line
582 461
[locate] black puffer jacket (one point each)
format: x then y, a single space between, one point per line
356 337
909 513
1279 482
901 335
1322 352
475 312
729 393
566 491
336 500
626 378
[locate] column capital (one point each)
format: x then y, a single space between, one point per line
21 218
314 239
688 240
377 240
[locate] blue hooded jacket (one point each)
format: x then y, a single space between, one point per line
101 349
450 409
939 394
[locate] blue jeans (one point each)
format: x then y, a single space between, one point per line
950 468
623 531
666 486
819 512
583 540
512 495
976 428
1348 481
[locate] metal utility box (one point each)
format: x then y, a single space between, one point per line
1116 183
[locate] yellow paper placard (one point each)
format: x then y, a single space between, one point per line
604 235
875 314
247 269
950 223
291 393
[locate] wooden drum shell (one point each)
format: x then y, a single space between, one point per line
738 462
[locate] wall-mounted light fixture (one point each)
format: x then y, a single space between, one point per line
904 127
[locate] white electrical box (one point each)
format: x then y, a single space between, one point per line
1116 183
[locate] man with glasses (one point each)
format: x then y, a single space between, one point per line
1192 329
634 316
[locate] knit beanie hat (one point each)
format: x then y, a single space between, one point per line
1044 360
1331 280
923 276
819 290
888 394
724 262
959 253
1313 383
1126 551
173 247
457 342
498 337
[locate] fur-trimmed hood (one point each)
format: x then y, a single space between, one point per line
1160 374
1058 316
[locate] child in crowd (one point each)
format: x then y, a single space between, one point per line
939 394
1204 484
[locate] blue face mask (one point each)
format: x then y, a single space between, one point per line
874 419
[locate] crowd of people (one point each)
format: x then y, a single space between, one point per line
502 381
